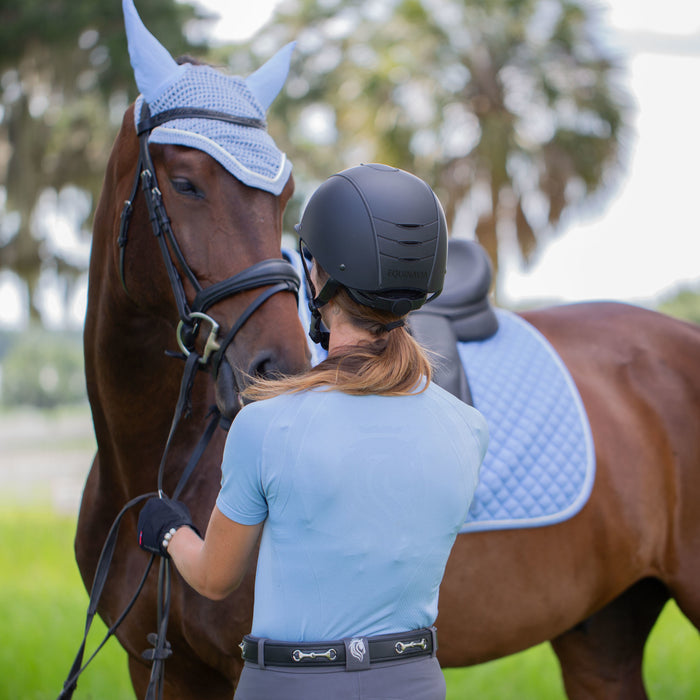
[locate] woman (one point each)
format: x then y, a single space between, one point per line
358 474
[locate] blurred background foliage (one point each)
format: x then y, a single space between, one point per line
514 110
65 80
684 304
41 368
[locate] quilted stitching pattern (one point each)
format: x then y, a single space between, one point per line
540 465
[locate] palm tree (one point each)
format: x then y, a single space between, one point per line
511 108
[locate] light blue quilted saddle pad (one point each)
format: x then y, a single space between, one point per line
540 464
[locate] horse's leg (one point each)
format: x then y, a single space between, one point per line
601 658
686 593
188 681
140 675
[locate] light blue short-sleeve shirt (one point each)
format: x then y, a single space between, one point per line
362 498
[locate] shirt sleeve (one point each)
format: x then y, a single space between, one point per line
242 497
480 430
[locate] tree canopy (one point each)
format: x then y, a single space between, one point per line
65 80
512 109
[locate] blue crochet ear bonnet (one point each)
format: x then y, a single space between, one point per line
248 153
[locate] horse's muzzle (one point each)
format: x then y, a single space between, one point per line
228 398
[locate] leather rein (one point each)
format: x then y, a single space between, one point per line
277 275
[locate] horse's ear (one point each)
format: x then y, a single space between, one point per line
154 67
268 80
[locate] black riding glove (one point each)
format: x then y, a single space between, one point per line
157 520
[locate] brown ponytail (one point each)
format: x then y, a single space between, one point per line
393 364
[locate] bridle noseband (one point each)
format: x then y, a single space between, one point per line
275 273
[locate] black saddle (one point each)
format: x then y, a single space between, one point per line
461 313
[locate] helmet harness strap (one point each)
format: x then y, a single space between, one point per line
316 301
317 335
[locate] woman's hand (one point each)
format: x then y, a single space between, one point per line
159 519
213 566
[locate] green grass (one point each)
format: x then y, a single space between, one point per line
42 608
42 614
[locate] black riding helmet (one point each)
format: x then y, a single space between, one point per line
379 232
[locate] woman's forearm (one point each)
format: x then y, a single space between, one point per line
214 566
186 549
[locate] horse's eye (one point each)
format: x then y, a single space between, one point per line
185 187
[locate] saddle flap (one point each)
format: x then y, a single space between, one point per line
435 333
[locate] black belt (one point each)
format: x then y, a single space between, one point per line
355 653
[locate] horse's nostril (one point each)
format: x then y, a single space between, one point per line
263 365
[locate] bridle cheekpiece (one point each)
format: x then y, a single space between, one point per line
275 273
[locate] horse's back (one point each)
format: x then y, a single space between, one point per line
615 326
638 372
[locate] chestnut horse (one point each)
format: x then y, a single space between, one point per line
133 386
593 585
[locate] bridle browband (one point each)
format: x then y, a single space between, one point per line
277 275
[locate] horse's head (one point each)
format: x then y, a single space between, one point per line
214 185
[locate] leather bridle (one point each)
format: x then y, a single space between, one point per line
275 273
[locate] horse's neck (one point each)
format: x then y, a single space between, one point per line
133 387
125 363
